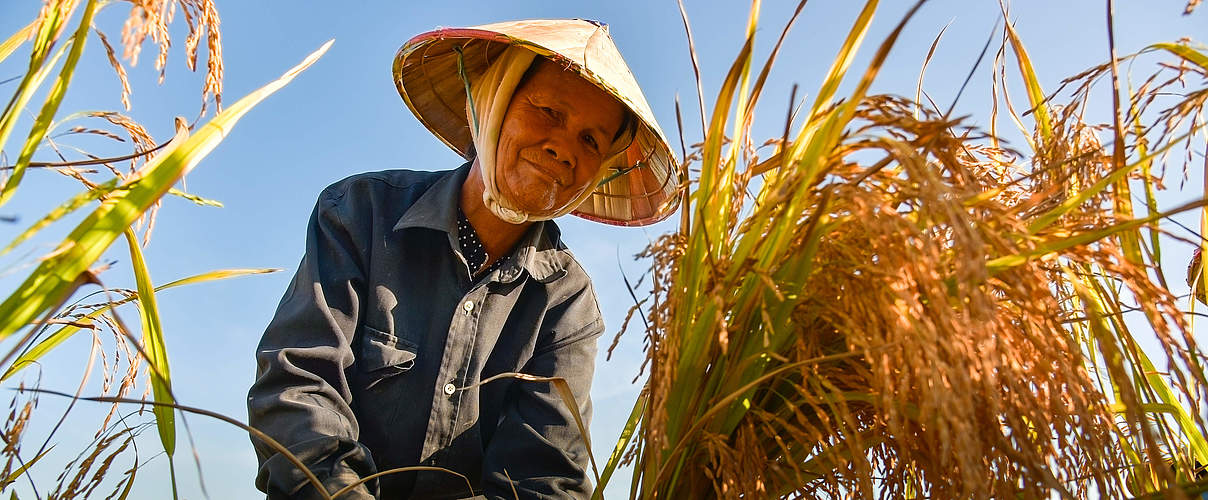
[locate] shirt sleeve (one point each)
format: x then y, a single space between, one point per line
301 396
537 447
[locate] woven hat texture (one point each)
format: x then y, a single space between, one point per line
640 190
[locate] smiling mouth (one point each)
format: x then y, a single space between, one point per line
544 171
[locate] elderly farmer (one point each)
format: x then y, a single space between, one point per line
417 286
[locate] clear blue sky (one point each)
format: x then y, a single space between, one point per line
344 116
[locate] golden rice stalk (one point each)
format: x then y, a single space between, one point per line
91 466
143 142
117 68
151 18
904 309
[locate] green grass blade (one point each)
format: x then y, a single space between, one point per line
1040 110
1059 244
626 437
57 276
53 99
1130 241
67 331
221 274
43 40
1148 181
742 110
153 346
918 89
24 467
1187 53
29 85
61 211
1113 359
130 481
8 46
1147 381
1199 445
843 61
761 80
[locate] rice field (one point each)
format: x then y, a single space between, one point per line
890 303
887 299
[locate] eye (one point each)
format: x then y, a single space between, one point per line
548 111
591 141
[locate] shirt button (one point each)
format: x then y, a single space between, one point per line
450 388
468 306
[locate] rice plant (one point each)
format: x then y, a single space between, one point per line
48 307
893 304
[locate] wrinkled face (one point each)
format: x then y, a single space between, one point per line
557 131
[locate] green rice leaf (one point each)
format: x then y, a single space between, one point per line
1059 244
58 275
1151 199
85 321
1044 220
130 480
1187 53
843 61
29 85
1101 335
627 434
1036 96
24 467
153 346
8 46
53 99
61 211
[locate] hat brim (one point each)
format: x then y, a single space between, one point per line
426 75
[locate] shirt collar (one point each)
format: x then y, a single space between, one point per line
437 207
540 251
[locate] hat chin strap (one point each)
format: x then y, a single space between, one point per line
502 209
488 99
504 213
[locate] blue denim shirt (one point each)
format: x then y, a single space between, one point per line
371 360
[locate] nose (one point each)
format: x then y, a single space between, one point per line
556 149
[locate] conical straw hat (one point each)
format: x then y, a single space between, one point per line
426 74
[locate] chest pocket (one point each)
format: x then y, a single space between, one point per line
383 355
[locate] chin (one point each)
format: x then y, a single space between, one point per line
544 211
542 204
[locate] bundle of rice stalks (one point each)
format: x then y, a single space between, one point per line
904 309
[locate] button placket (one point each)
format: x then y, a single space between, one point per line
459 347
467 341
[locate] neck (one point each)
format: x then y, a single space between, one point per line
497 235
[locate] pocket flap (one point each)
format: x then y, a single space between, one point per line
381 350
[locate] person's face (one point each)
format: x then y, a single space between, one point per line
556 132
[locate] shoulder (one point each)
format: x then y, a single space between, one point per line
380 197
383 182
574 270
574 306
